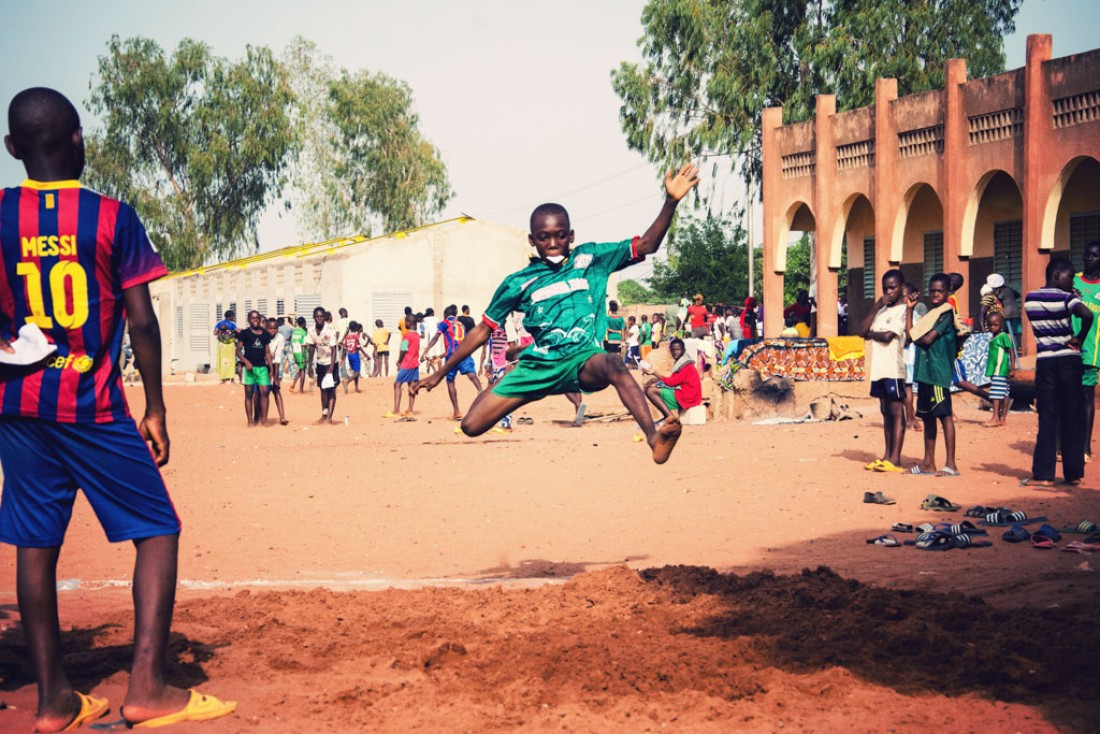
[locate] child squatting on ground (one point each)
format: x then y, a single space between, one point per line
69 427
561 292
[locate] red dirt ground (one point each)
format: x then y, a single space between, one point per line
397 577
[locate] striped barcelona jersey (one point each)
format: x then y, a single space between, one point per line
66 255
1048 310
454 333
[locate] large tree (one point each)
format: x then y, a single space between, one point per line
363 163
197 143
393 174
708 256
711 66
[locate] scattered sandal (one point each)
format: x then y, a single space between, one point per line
887 541
978 511
1016 534
966 541
878 498
1004 517
901 527
1041 542
935 503
888 467
1085 527
1079 547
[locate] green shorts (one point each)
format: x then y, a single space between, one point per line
256 376
534 379
1088 377
668 396
300 360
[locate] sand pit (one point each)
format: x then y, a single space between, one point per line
395 577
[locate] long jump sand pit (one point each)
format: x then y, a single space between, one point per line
393 577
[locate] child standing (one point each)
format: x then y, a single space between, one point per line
256 376
633 343
352 344
561 292
1087 285
66 425
613 341
1058 372
323 344
381 340
885 328
999 367
408 369
912 423
936 342
275 351
298 351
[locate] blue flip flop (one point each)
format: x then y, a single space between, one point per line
1016 534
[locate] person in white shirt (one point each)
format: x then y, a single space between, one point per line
322 342
275 349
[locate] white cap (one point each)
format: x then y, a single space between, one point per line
987 289
995 280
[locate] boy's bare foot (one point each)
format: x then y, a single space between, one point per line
456 417
664 440
283 421
991 424
915 426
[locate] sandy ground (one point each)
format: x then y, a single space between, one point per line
381 576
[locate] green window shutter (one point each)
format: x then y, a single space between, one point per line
1083 229
869 267
933 253
1008 252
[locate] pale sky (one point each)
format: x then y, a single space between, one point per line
516 94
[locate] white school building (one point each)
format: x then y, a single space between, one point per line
459 261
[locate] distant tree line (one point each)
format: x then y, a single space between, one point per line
202 145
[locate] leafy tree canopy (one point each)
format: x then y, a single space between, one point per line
632 292
196 142
711 66
363 162
708 256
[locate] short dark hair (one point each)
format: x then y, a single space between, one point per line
41 119
301 321
940 278
675 341
955 281
429 311
229 315
549 209
613 305
465 308
1088 245
894 273
450 311
319 310
1058 265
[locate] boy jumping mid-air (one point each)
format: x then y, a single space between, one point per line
561 292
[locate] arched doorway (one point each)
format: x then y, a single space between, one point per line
996 228
852 258
921 236
792 264
1072 216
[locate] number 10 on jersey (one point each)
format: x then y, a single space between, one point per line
63 278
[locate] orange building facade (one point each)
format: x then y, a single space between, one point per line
987 175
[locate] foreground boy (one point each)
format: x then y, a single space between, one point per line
884 328
67 425
561 292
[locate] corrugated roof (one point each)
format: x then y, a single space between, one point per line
311 248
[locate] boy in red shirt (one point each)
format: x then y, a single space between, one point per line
408 370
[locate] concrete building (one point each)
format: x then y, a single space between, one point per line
459 261
982 176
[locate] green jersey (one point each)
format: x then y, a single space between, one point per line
935 364
999 359
646 331
615 326
1090 296
297 339
562 304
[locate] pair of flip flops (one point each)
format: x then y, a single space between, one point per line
200 707
878 498
1005 517
1085 527
935 503
941 541
525 421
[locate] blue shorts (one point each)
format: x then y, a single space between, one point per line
44 465
353 363
465 367
410 375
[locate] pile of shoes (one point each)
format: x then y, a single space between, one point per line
965 534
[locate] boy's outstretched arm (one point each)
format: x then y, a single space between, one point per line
469 345
676 188
145 341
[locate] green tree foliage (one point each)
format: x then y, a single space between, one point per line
363 163
197 143
711 66
707 256
797 276
632 292
390 169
